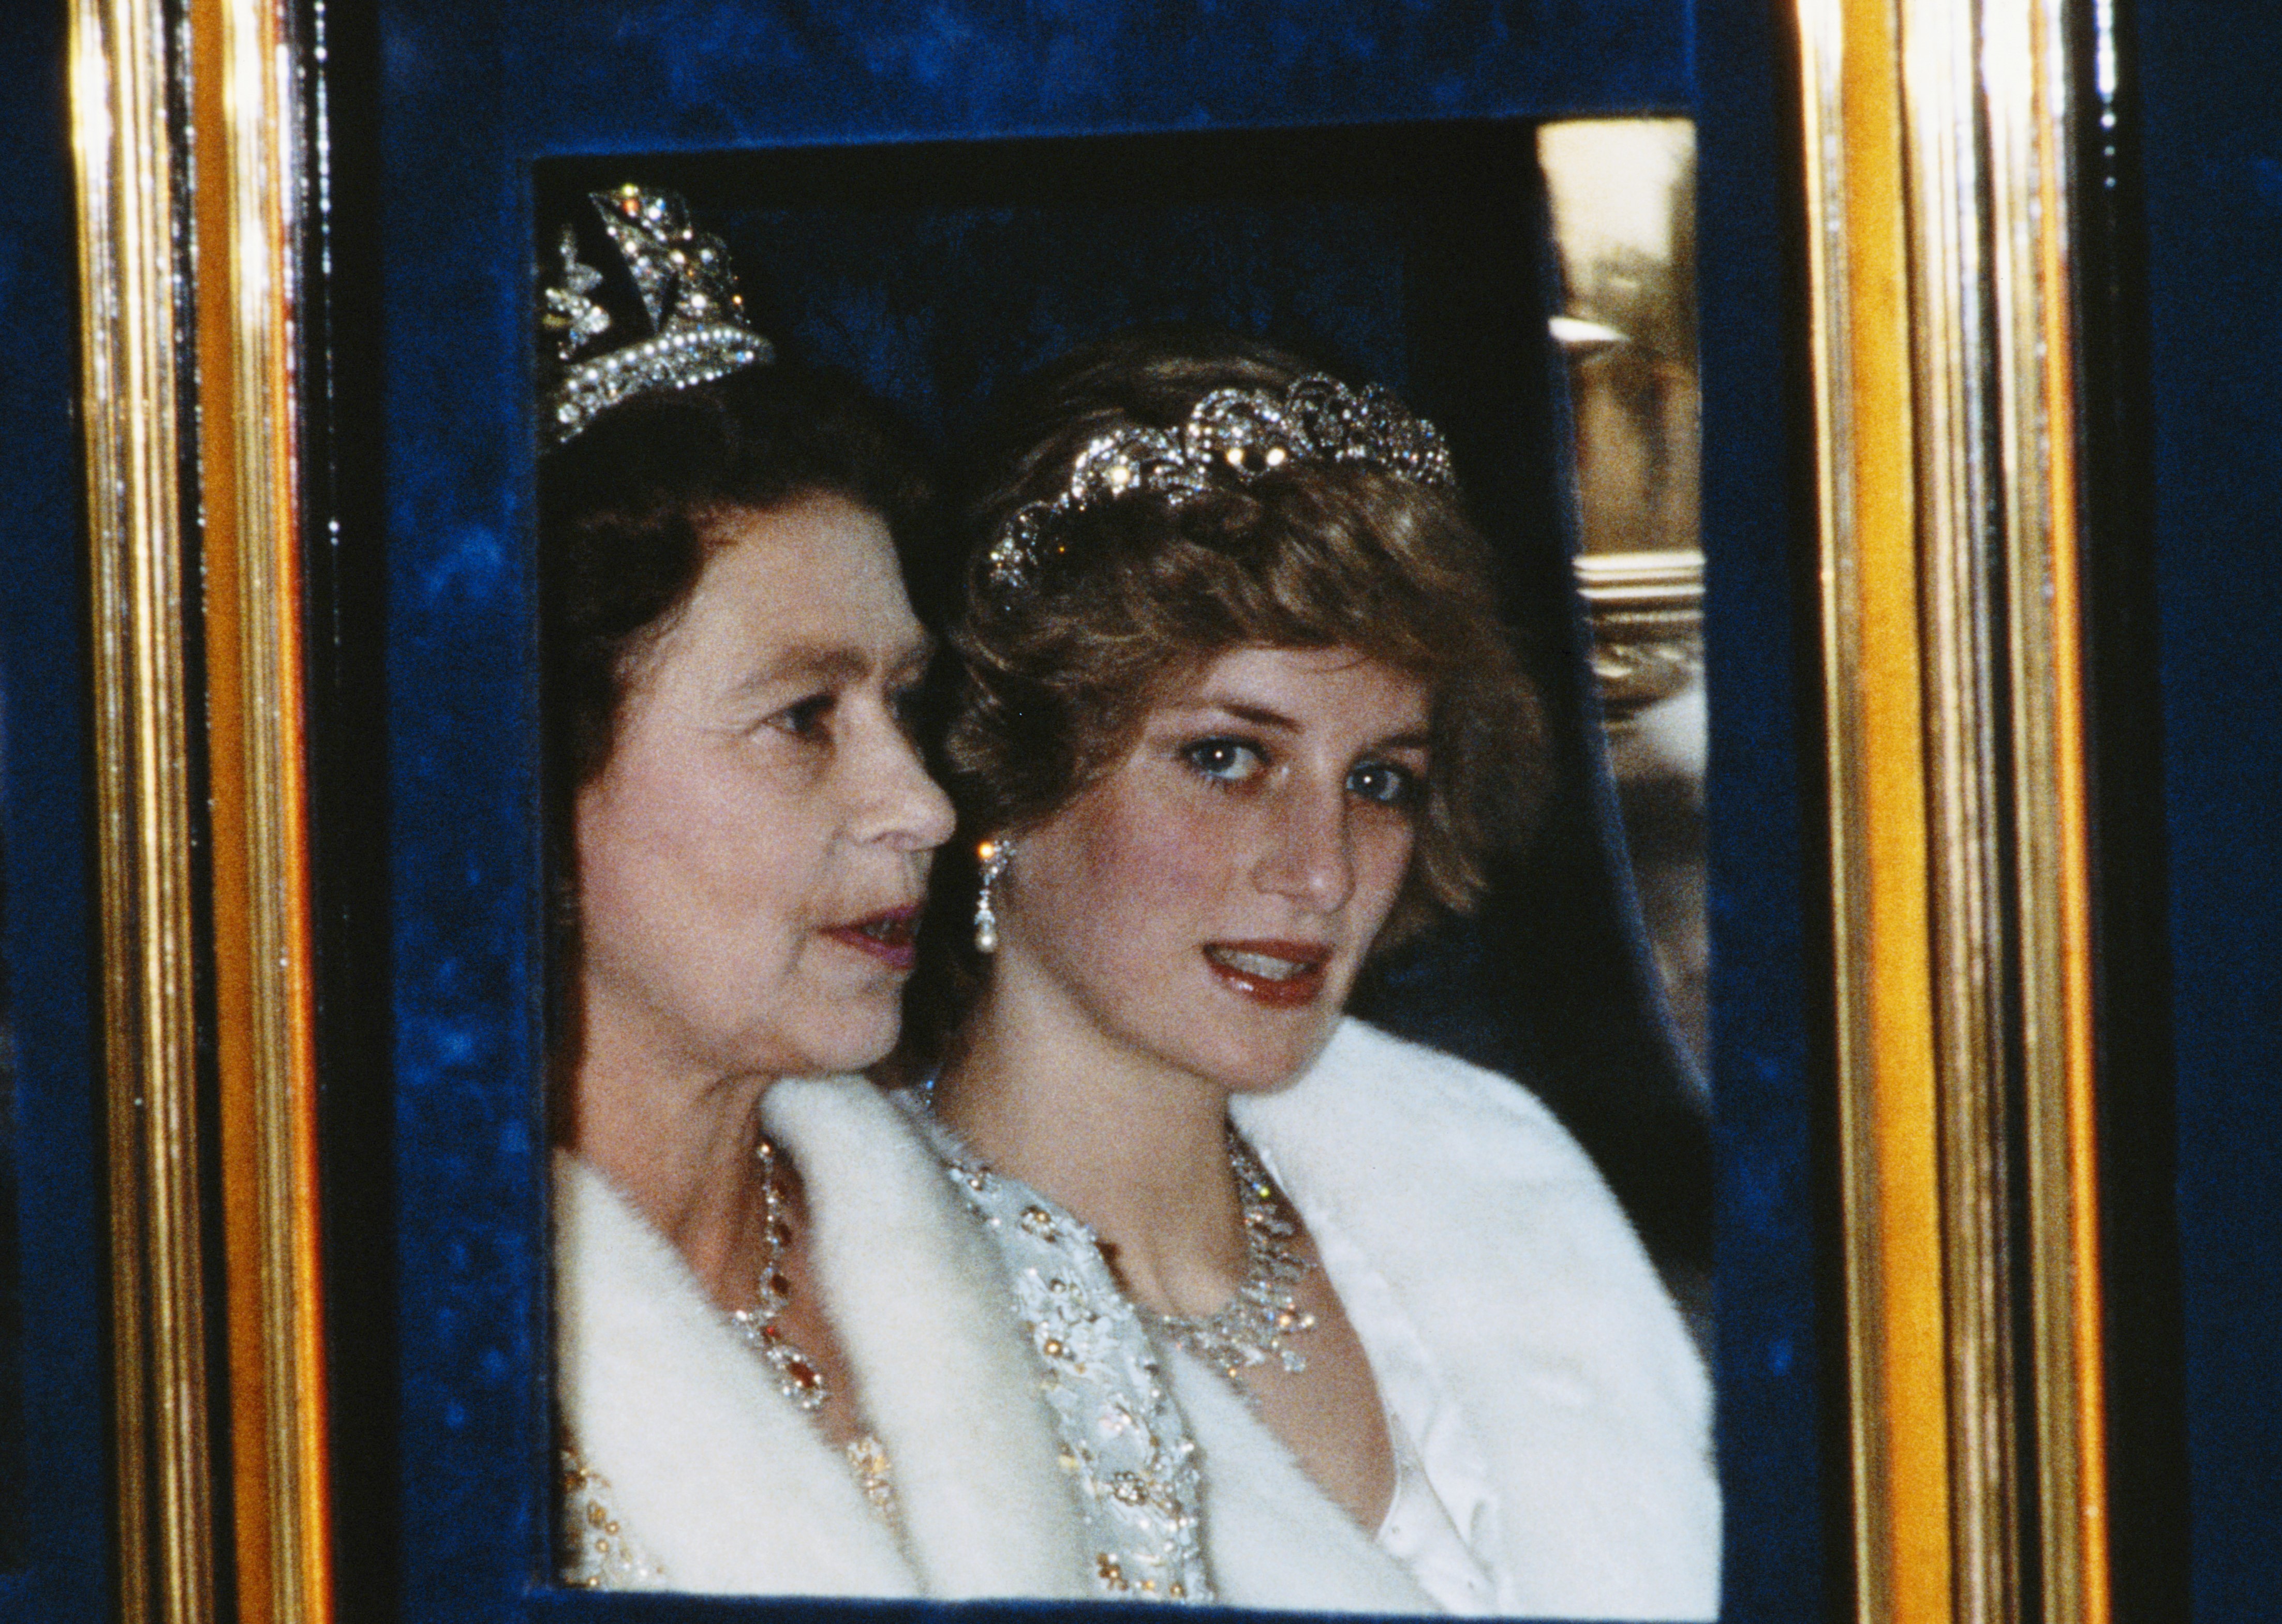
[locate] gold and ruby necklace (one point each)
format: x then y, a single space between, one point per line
797 1376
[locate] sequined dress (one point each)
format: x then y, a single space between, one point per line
1123 1438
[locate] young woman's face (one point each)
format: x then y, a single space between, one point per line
751 859
1208 903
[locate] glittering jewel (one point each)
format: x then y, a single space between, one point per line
696 323
1230 435
867 1458
798 1376
572 310
1253 1324
993 856
1125 1441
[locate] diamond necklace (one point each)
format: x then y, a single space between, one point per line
1265 1309
798 1376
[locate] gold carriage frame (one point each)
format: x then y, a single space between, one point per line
1937 140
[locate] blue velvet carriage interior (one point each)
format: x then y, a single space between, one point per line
890 173
937 210
55 1528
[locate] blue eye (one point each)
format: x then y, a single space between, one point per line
1383 783
1224 760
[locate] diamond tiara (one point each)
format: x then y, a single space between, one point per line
1238 434
697 330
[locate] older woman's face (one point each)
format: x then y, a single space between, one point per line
1208 903
751 859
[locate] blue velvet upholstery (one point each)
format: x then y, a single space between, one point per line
474 97
1783 1464
2213 173
55 1516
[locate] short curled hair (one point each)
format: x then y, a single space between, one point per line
1140 595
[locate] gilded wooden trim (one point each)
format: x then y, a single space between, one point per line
1937 141
1965 790
140 87
248 224
2029 111
131 270
1897 1398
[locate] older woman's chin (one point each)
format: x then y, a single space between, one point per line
842 1034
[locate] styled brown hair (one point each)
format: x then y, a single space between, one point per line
1137 595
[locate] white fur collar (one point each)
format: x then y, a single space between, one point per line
717 1475
1272 1538
1536 1303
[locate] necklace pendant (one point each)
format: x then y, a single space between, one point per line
1254 1324
799 1381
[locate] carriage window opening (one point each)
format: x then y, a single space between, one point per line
1622 194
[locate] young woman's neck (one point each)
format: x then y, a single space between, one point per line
1134 1146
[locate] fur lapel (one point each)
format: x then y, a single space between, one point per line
1536 1302
944 1369
712 1472
719 1478
1272 1538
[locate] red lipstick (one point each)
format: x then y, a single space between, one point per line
891 937
1283 975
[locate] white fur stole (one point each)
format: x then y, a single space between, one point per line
719 1478
1539 1308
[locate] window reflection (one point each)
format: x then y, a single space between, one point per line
1622 195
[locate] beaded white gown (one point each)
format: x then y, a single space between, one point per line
1550 1415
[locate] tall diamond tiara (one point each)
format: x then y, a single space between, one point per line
1232 434
696 322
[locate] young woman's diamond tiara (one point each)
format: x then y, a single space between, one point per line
1232 434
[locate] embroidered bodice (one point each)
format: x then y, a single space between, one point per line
597 1552
1123 1438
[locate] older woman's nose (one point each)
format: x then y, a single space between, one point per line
1310 856
898 804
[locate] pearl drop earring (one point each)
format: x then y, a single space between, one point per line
994 855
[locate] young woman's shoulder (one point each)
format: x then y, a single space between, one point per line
1534 1303
1481 1210
1429 1103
